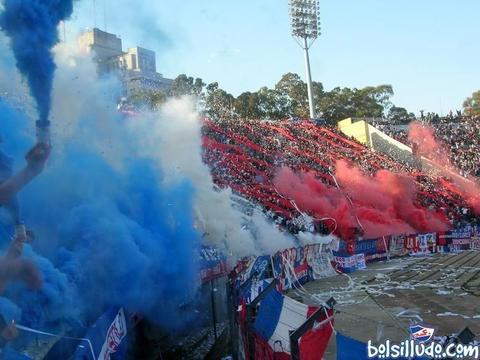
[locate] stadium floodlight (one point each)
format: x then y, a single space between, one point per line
305 23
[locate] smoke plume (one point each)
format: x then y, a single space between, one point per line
32 28
121 207
178 148
434 150
380 205
109 230
423 138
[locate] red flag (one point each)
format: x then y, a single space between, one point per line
315 341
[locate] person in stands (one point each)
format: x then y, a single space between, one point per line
12 267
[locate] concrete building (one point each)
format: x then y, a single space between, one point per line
140 59
136 67
106 49
139 70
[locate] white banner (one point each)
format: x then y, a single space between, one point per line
115 334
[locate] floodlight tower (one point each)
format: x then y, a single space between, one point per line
305 22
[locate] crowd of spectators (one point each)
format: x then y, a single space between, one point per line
458 134
245 154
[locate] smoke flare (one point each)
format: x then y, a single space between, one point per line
381 205
423 137
32 28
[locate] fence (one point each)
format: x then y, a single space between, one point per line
266 324
255 286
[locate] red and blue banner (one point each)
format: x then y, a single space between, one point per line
349 263
213 264
458 239
277 317
291 267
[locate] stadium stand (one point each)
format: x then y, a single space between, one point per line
460 134
245 155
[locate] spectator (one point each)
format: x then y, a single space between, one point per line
12 267
240 152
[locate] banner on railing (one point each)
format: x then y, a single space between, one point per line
350 263
213 264
303 264
320 259
398 246
311 262
425 244
456 240
106 339
291 267
475 243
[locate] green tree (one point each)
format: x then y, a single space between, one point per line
399 115
471 105
372 101
337 104
272 104
295 93
186 85
151 99
247 106
341 103
218 103
292 87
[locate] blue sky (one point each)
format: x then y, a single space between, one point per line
428 50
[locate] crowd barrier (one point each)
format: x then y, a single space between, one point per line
267 324
257 288
351 257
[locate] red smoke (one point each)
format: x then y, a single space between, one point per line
382 205
423 137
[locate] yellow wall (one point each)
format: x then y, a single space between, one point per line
376 140
357 130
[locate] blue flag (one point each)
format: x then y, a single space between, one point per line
348 348
106 338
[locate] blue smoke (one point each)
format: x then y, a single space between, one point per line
105 235
32 28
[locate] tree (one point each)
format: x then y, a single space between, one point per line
288 98
218 103
399 115
247 106
471 105
294 91
186 85
337 104
372 101
152 99
272 104
341 103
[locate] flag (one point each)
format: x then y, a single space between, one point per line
277 317
348 348
106 338
115 334
251 292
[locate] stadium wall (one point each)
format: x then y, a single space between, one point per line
377 140
358 130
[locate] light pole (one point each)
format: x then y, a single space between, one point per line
305 23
